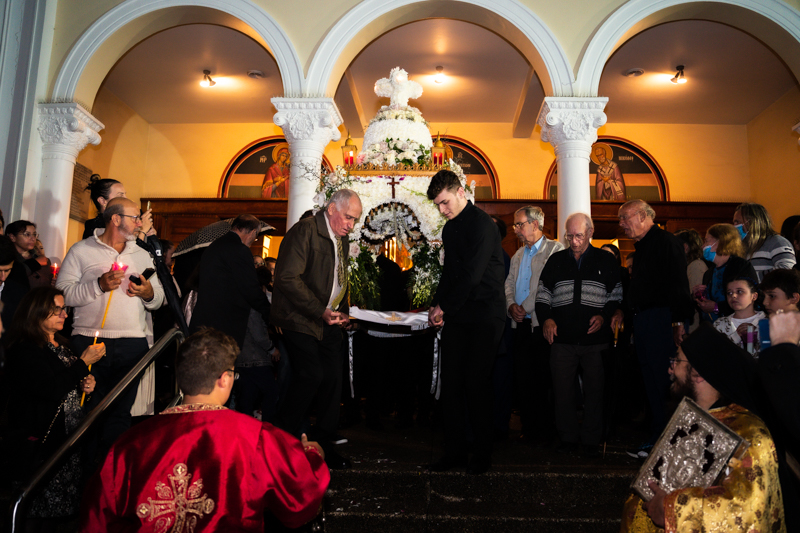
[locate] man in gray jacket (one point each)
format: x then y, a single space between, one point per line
530 350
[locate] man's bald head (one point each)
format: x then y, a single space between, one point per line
118 206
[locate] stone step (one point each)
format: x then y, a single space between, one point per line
527 489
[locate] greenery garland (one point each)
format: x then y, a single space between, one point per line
364 275
425 273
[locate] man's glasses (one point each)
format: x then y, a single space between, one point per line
518 225
575 236
674 361
136 218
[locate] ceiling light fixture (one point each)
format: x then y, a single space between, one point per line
680 77
633 72
207 81
439 78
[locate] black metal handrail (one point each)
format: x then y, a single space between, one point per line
72 439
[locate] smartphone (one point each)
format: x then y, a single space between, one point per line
763 333
147 274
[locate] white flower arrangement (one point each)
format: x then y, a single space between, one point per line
388 112
409 216
394 152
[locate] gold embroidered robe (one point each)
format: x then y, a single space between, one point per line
749 498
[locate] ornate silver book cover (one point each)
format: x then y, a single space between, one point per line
693 451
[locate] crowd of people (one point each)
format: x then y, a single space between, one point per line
267 339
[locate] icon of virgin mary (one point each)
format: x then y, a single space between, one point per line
276 180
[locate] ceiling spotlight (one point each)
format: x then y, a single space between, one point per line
439 78
633 72
255 74
207 81
680 77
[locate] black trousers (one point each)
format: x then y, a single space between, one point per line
316 381
532 381
468 354
652 332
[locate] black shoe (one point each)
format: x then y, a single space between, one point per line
642 452
591 451
567 448
374 424
447 463
404 423
336 461
479 465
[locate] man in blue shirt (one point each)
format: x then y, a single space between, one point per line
530 350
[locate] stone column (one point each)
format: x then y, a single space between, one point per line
308 124
65 129
570 125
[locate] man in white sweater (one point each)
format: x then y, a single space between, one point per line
95 270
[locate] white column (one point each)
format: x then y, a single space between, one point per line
308 124
570 125
65 130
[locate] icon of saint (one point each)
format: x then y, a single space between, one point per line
609 183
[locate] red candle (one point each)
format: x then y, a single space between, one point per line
54 268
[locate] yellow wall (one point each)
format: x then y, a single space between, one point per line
122 153
775 157
700 162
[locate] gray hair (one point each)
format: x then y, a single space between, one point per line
640 206
341 199
586 219
532 213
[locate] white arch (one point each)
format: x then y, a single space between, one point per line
631 18
324 73
264 26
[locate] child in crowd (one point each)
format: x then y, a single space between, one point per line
781 290
742 326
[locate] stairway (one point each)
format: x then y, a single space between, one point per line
527 490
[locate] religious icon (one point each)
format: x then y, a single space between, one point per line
609 183
619 170
276 180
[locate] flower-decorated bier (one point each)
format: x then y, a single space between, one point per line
693 451
391 176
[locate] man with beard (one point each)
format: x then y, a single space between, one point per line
710 369
89 280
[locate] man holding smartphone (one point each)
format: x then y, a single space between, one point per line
94 270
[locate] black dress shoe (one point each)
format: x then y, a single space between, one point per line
446 463
479 465
336 461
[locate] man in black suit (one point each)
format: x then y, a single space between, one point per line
229 288
470 303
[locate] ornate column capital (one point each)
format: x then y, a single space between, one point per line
571 123
314 120
66 129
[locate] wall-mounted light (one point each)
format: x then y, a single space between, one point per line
207 81
680 77
439 78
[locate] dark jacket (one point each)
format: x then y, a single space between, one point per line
38 383
471 286
229 289
92 224
571 296
659 276
304 274
736 267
